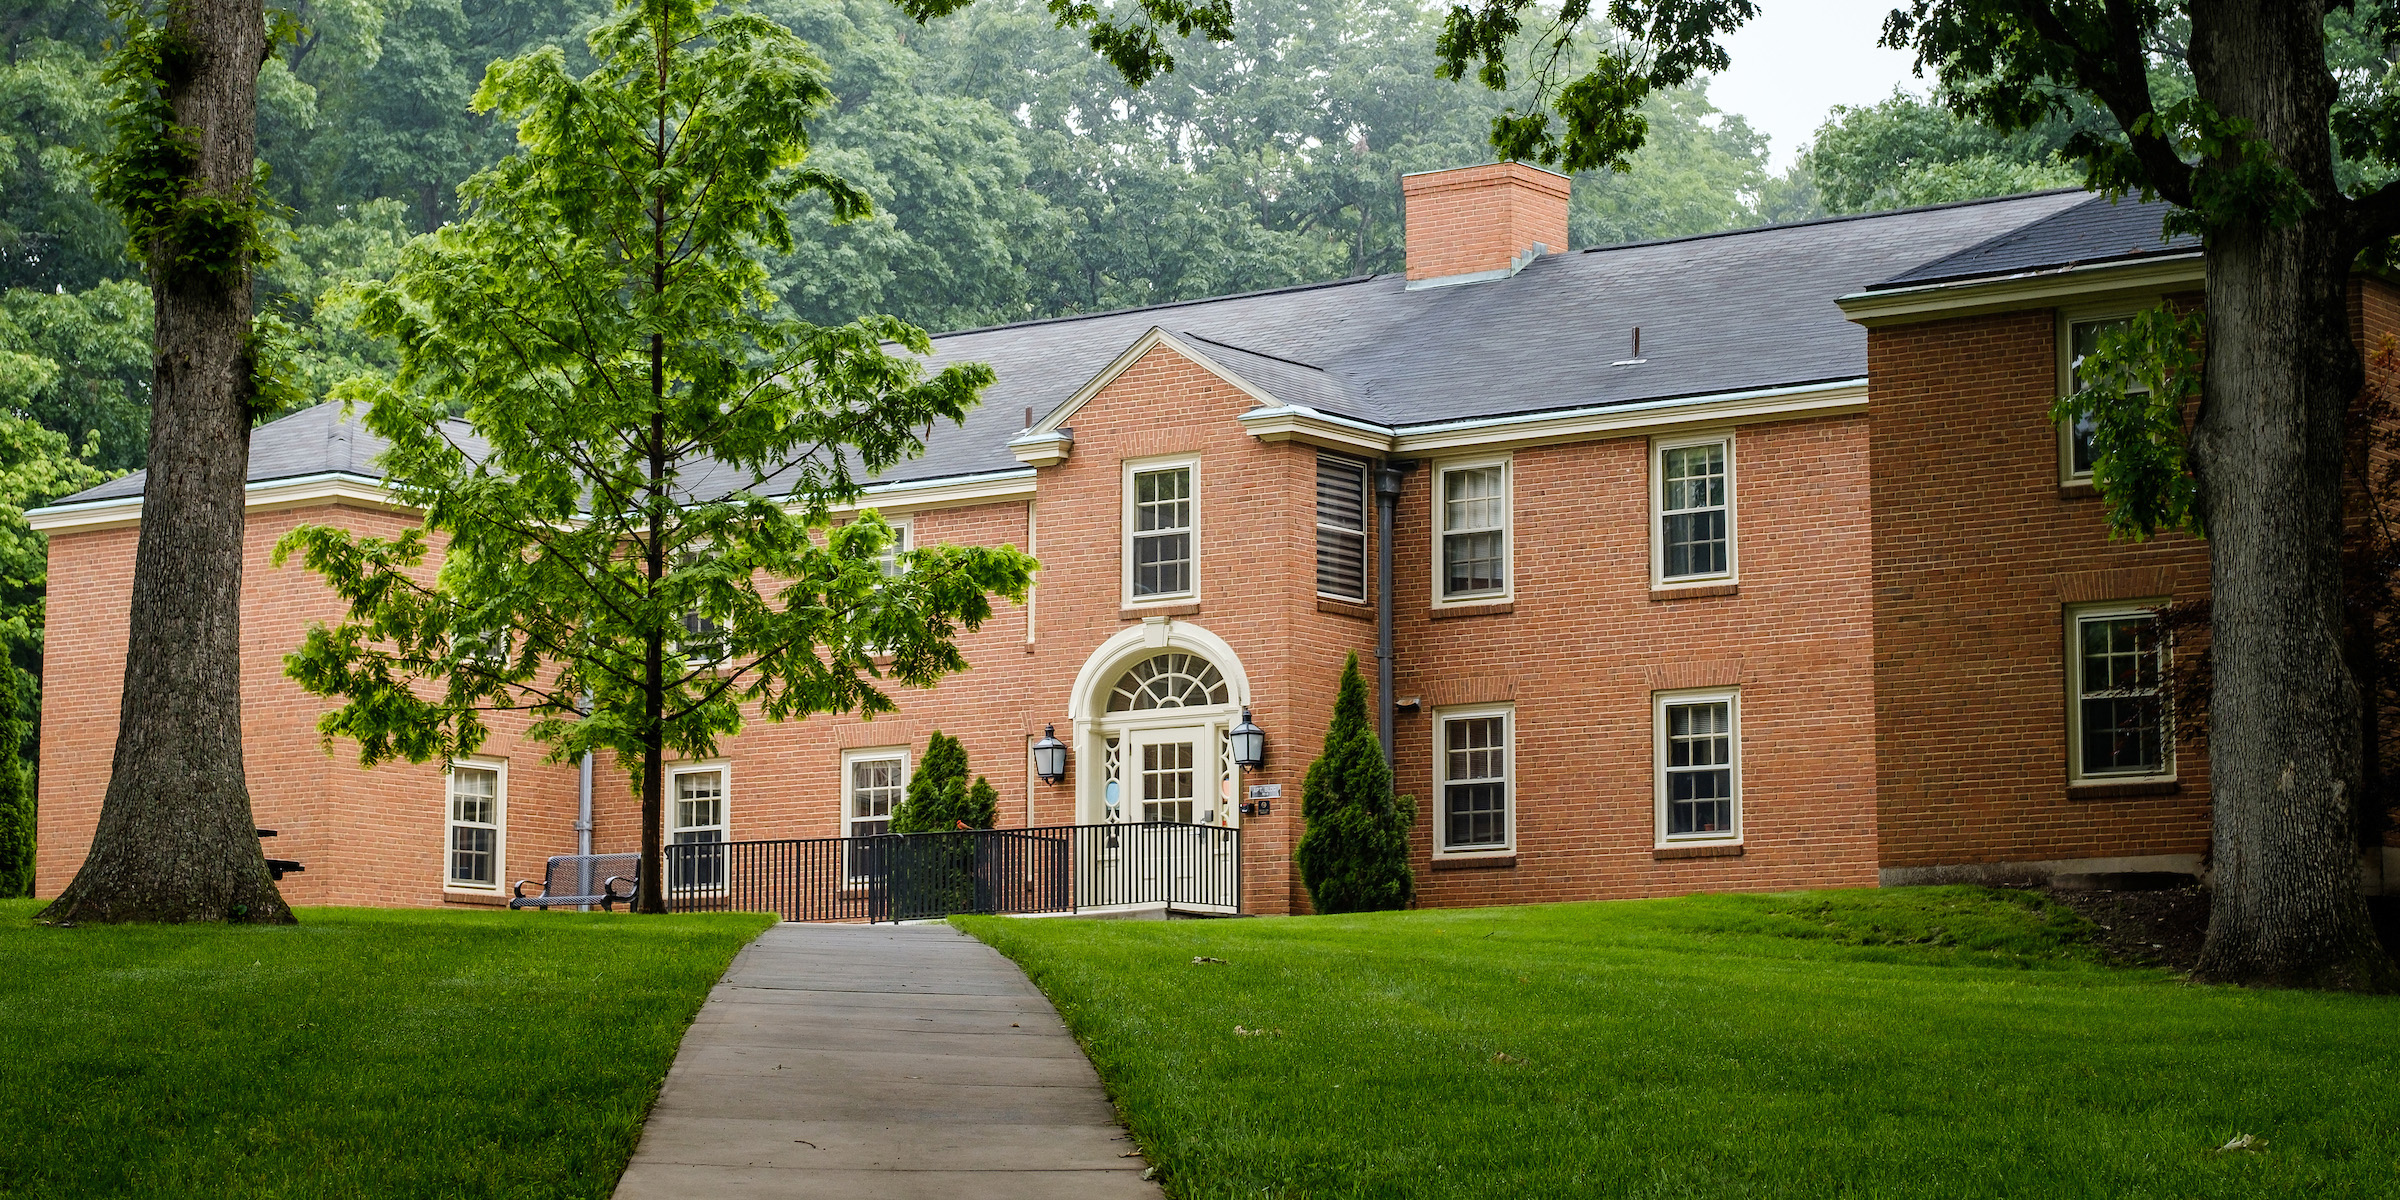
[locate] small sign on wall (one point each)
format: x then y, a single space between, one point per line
1266 791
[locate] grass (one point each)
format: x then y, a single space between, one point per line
1936 1042
361 1053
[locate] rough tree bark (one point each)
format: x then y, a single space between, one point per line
176 840
2282 370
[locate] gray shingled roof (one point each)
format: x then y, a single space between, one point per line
1726 312
2094 231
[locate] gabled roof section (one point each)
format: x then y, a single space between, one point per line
2096 231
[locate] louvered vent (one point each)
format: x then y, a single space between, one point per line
1341 528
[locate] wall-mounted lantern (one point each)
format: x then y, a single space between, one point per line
1050 756
1249 743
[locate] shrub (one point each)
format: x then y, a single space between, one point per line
1353 854
939 797
16 793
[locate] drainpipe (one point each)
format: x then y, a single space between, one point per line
1388 478
583 814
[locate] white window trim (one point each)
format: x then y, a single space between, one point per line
904 532
1657 504
1366 526
1441 778
869 754
1732 698
2076 614
1125 522
1508 531
499 824
2068 319
667 805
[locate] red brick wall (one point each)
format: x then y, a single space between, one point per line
1584 647
1978 551
1474 219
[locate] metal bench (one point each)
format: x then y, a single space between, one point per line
277 868
568 879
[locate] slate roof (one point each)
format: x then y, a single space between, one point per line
1726 312
2095 231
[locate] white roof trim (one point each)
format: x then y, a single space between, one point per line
264 495
1965 297
1044 433
1295 423
954 491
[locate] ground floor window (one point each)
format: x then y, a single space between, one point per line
2116 715
1473 764
696 813
1699 765
474 826
874 781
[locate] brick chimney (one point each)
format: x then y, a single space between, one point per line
1482 222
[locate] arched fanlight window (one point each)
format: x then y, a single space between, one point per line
1170 680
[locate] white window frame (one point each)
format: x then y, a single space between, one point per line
2076 615
724 825
1142 466
1659 703
2068 319
499 826
1508 532
1511 797
1366 525
849 793
1657 504
677 643
904 539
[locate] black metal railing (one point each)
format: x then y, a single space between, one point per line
891 877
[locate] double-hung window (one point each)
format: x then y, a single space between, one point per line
696 803
1341 528
2080 340
701 639
1474 761
1698 751
1162 553
1694 509
1472 499
476 824
873 783
2118 726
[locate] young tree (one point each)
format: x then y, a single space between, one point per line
939 798
636 505
175 840
1354 852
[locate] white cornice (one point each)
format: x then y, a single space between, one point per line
1293 423
266 495
2031 289
955 491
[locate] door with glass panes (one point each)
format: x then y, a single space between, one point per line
1172 780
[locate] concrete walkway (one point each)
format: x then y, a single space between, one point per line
865 1062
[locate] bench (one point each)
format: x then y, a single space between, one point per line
568 879
277 868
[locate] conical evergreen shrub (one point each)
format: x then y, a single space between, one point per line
939 797
1353 854
16 792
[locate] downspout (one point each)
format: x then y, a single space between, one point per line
1388 478
583 814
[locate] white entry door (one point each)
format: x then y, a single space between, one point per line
1170 770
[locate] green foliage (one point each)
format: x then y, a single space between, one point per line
1353 855
84 366
939 797
16 793
53 118
2136 385
1642 47
601 409
1904 151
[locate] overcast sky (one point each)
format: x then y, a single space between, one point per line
1802 57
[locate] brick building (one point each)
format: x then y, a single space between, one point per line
1745 561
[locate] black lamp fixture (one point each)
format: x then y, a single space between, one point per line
1050 756
1249 743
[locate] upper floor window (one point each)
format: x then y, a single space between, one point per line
1474 530
476 823
2075 453
903 540
1162 550
2118 722
1474 762
1341 528
1694 530
1699 765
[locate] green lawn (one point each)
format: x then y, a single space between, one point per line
1948 1042
361 1053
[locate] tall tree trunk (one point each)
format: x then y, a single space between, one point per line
2282 371
176 840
